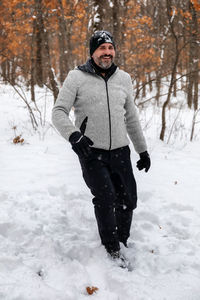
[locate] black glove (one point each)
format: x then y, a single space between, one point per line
80 144
144 162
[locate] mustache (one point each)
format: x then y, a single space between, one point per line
106 56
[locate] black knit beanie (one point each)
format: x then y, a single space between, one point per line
98 38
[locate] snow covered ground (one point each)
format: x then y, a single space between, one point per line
49 245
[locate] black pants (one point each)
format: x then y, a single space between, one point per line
109 176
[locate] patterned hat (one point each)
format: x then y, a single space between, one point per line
98 38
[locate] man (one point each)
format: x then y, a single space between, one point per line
101 95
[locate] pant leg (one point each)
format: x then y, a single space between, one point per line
126 191
96 174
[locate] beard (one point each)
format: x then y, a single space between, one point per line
103 63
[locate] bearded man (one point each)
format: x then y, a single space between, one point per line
105 115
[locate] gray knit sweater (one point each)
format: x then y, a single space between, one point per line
107 106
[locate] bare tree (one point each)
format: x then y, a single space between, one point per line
38 32
193 77
194 122
171 17
62 34
43 50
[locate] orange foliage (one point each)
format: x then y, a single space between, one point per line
138 40
17 24
138 47
196 4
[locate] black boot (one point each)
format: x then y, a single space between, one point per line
121 260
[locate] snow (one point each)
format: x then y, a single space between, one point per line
49 244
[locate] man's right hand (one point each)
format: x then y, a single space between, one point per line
80 144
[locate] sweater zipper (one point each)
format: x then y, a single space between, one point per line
108 112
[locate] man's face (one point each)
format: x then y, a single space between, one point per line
103 56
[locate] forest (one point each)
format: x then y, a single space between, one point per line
49 239
157 43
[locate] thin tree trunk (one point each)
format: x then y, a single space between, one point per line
39 32
117 30
4 70
196 92
62 37
43 39
13 71
158 86
52 79
173 74
150 83
196 55
193 124
175 86
193 77
32 81
144 89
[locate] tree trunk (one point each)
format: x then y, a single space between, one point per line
193 77
62 37
175 86
158 86
4 70
53 83
117 30
13 71
32 80
98 15
39 28
150 83
173 74
144 89
42 43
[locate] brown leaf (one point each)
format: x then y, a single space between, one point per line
16 139
91 289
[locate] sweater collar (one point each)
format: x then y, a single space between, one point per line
92 68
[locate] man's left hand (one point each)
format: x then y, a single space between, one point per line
144 162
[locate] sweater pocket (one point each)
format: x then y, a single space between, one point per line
87 128
83 125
